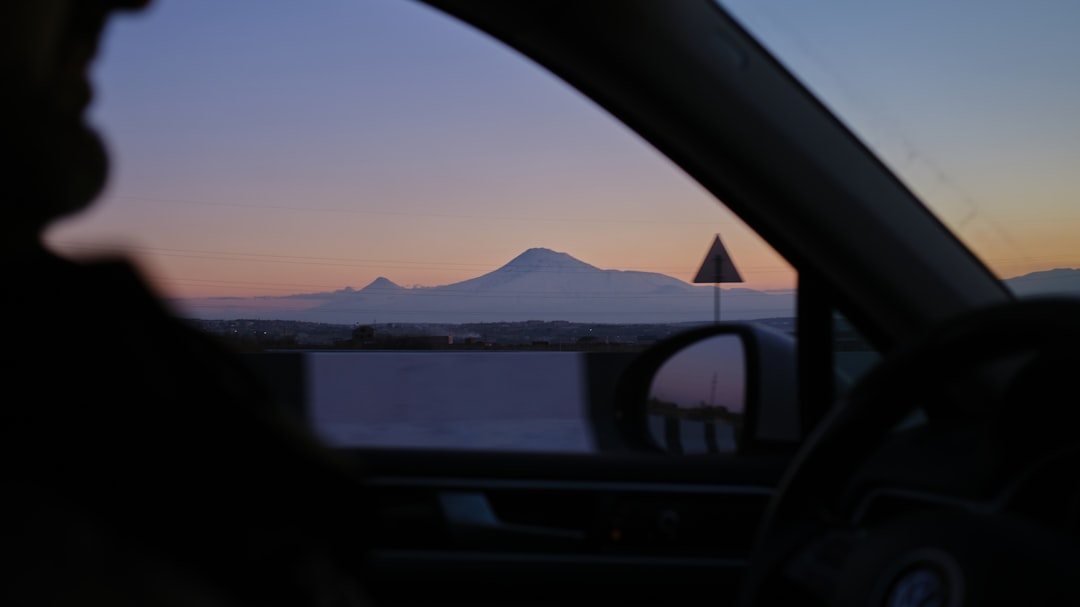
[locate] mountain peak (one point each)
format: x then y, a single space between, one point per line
540 258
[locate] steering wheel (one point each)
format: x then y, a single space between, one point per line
977 505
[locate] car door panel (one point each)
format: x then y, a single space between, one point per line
456 526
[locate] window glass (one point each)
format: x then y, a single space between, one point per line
853 355
971 104
445 230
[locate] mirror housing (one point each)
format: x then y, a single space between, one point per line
723 388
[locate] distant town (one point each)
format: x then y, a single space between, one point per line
254 335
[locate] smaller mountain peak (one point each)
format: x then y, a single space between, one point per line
1054 273
1059 281
382 283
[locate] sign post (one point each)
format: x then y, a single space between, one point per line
717 268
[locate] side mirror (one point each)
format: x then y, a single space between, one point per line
697 397
723 388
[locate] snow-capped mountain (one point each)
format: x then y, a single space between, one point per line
539 284
545 271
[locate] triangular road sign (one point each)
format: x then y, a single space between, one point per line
717 266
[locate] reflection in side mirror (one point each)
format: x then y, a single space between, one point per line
723 388
697 398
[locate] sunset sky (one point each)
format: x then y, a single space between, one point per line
973 103
264 149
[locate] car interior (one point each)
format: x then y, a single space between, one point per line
910 483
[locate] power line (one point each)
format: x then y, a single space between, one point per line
472 217
364 262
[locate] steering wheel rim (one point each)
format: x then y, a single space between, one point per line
810 499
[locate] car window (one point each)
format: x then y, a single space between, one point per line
853 354
447 233
971 105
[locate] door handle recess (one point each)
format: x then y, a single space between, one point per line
471 520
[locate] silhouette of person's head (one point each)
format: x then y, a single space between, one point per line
51 162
